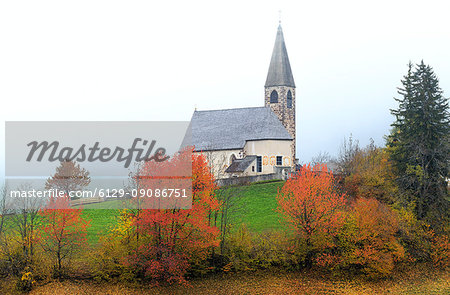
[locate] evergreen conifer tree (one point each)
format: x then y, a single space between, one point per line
419 142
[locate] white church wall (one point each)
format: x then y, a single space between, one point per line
220 160
269 150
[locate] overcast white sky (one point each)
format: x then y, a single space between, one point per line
157 60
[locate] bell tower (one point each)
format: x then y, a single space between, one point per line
279 90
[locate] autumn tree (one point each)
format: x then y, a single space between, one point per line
371 175
18 234
229 205
174 238
312 207
419 143
367 242
3 209
347 152
131 214
24 220
321 158
420 241
8 238
63 231
69 177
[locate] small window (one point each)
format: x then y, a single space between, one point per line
279 160
253 168
274 97
258 164
289 99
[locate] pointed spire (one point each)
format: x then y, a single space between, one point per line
280 73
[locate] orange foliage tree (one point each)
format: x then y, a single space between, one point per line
368 241
172 238
376 248
312 207
63 230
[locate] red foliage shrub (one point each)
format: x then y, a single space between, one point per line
63 230
172 238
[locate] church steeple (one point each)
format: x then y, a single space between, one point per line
280 73
280 89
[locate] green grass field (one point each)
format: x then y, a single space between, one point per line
255 208
101 221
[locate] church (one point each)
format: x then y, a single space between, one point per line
247 142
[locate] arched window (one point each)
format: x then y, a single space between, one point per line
232 158
289 99
274 97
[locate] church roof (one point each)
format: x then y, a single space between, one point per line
231 128
239 165
280 73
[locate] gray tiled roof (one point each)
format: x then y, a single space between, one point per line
231 128
239 165
280 73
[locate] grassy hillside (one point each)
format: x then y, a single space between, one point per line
255 208
101 221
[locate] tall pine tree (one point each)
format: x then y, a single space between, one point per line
419 142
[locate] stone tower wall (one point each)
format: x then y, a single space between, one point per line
285 114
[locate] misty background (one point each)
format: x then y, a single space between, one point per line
142 60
